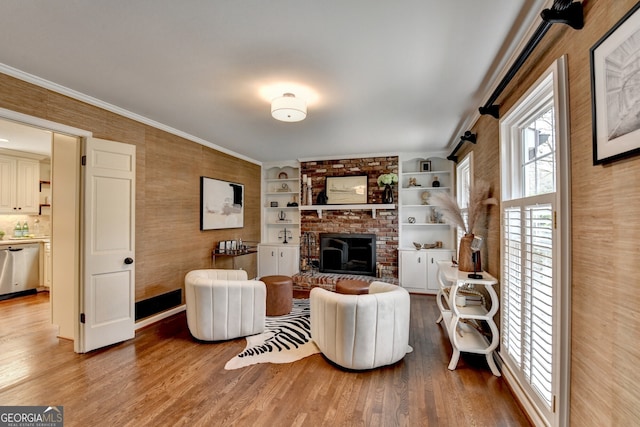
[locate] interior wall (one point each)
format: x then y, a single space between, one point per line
169 242
605 316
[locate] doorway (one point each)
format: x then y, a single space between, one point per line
65 147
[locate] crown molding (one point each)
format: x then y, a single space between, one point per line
46 84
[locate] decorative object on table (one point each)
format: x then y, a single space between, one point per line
285 339
411 220
615 63
346 190
425 166
387 180
322 198
284 188
448 206
221 204
282 216
425 197
435 182
273 204
285 234
413 182
283 175
476 244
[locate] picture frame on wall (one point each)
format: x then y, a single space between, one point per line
221 204
346 190
425 165
615 90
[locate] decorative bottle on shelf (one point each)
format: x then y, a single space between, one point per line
435 182
25 229
17 230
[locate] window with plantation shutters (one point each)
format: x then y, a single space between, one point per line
528 299
534 342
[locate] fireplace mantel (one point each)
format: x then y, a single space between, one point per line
373 207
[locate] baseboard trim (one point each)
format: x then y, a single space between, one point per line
160 316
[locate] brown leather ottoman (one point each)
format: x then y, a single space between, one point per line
352 287
279 294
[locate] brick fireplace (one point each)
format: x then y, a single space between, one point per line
384 226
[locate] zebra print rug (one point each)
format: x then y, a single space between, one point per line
285 339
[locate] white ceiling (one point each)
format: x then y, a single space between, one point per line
380 76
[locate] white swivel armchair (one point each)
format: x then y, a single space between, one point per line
361 331
224 304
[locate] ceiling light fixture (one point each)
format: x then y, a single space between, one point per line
288 108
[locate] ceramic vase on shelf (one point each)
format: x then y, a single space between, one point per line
465 258
387 194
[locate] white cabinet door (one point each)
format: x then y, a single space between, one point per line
267 260
288 260
278 260
7 185
19 179
27 193
413 270
432 267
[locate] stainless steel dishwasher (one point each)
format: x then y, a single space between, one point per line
19 267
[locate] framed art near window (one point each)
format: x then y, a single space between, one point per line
615 90
221 204
346 190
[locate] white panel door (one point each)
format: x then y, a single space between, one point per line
108 280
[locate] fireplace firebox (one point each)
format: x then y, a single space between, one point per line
348 253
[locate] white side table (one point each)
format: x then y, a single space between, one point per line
459 320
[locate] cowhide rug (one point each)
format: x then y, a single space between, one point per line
285 339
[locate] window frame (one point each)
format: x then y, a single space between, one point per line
557 76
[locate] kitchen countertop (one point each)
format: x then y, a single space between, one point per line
19 241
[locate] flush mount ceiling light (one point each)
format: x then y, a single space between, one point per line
288 108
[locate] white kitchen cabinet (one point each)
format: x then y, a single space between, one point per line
418 269
278 260
19 185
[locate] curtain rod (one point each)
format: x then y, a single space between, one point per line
562 12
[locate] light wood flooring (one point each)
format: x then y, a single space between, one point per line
165 378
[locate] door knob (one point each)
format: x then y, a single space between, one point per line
128 260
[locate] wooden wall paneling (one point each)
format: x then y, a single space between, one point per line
20 96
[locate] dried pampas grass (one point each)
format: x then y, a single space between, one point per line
478 200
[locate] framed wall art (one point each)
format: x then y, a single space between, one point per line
615 90
221 204
425 165
346 190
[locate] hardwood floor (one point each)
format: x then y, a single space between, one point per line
164 377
